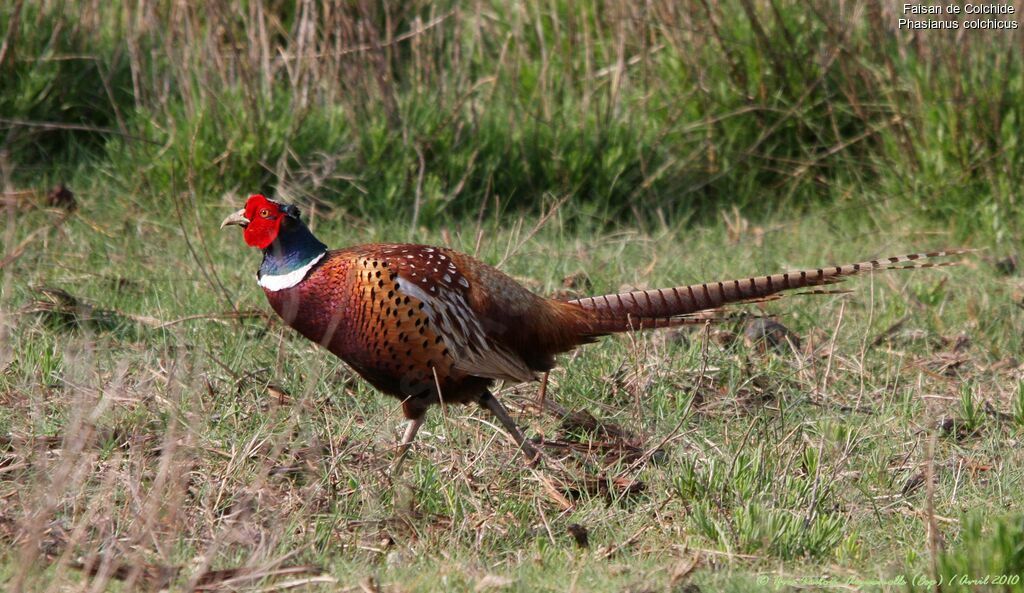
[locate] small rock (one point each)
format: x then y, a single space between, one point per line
961 342
62 197
953 427
913 483
722 337
577 281
492 581
1007 266
679 335
579 535
396 559
768 333
280 395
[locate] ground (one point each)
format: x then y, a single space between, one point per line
157 418
160 428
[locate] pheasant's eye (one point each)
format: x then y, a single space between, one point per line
265 213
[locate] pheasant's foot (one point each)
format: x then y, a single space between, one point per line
405 445
533 456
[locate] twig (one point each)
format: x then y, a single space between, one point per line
536 229
632 61
211 274
547 525
52 125
832 348
418 200
234 577
689 404
934 543
373 46
553 492
12 31
294 583
630 541
542 392
242 314
889 331
710 552
20 247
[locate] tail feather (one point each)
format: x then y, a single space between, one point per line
663 307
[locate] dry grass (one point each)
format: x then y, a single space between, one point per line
221 452
159 430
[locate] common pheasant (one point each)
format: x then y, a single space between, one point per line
431 325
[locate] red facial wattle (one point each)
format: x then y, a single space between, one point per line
264 221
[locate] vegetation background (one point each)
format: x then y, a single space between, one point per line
158 429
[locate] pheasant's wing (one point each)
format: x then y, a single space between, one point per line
400 351
438 290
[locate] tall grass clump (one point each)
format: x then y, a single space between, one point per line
64 81
990 555
421 110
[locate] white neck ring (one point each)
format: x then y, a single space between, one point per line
277 282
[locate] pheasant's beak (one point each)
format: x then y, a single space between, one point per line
236 218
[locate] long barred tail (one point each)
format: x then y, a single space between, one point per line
662 307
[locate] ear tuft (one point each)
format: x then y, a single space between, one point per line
291 211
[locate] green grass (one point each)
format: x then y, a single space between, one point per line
676 112
775 466
149 419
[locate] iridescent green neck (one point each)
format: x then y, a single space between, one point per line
293 249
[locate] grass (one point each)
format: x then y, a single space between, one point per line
224 443
673 111
160 429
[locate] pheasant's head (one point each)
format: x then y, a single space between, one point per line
289 248
262 220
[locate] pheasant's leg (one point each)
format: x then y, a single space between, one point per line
543 391
490 402
407 438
